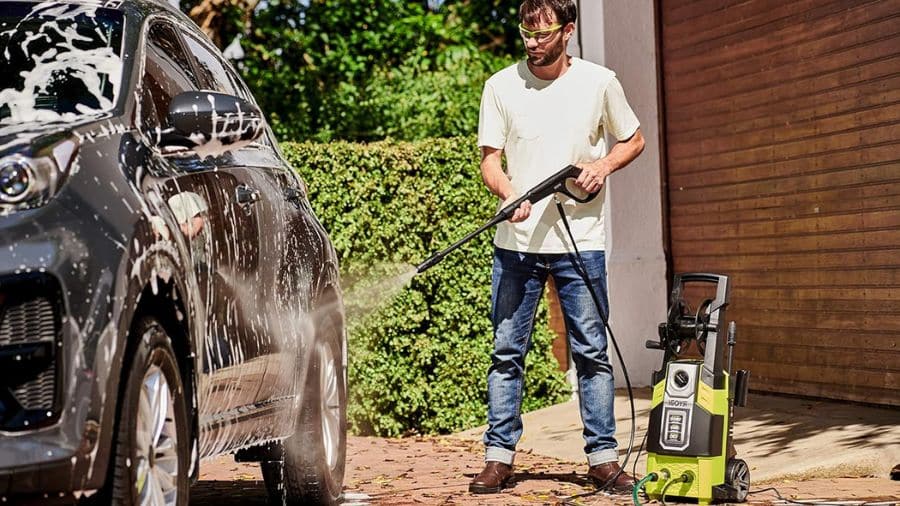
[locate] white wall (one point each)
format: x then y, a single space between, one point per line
621 35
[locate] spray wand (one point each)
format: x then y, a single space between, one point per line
563 182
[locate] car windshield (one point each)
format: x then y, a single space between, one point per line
60 61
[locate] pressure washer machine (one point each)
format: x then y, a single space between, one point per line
690 443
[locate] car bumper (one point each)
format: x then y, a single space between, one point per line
29 466
56 347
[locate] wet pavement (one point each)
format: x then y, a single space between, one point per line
229 493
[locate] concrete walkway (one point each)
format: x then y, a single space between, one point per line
780 438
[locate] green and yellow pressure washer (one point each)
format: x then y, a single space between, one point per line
690 447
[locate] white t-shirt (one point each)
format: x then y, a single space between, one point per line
542 126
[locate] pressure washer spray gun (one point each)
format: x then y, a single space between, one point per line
562 182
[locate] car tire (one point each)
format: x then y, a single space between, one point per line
152 447
312 471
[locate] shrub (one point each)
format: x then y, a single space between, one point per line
311 64
418 363
422 98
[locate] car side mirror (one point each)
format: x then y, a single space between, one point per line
206 119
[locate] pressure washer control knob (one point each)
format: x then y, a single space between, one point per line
681 379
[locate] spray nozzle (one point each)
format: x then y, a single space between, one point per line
430 262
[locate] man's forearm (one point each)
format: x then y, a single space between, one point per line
623 153
495 179
594 174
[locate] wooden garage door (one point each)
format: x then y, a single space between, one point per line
782 124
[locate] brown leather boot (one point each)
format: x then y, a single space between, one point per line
494 478
602 473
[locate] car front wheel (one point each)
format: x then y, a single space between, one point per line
312 471
152 444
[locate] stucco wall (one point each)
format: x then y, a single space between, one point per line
621 36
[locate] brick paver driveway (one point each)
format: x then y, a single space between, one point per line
436 471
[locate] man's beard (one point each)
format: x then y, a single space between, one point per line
551 54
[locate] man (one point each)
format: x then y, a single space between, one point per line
543 114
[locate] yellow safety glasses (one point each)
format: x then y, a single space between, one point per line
538 35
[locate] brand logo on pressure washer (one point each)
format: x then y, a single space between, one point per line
677 404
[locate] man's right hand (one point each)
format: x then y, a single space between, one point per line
498 182
521 213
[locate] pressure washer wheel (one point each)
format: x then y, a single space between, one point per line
737 477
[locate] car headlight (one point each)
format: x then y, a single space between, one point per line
29 182
16 179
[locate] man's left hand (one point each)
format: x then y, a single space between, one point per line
592 176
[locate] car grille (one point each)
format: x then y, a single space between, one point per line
39 393
30 332
31 320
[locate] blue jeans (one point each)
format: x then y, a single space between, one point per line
517 286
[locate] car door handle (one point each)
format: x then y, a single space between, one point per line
293 194
246 195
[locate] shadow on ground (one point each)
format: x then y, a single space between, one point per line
774 422
228 493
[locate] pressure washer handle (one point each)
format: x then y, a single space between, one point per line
559 182
577 194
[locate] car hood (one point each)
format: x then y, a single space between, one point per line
29 139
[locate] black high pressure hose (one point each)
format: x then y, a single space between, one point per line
605 318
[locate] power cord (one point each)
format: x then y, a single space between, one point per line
639 486
640 449
605 318
835 502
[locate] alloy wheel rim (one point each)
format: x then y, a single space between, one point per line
331 405
156 438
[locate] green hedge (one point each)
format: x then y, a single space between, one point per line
413 101
418 361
